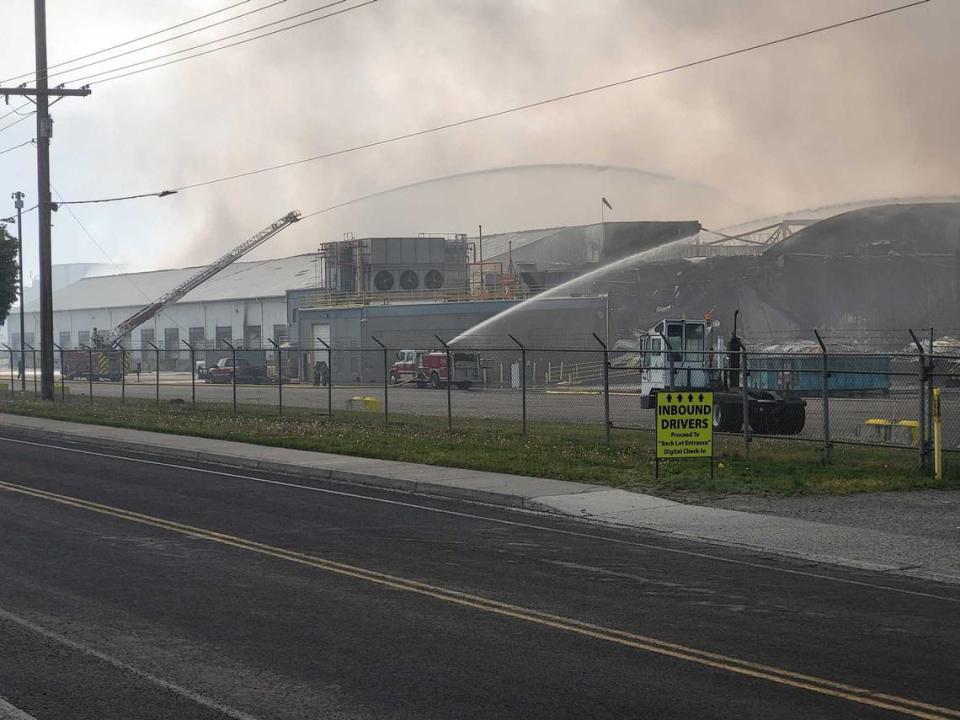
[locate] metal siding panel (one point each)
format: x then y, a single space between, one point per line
409 251
378 251
422 255
394 251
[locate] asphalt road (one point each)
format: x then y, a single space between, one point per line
134 588
570 405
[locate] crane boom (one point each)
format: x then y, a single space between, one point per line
198 278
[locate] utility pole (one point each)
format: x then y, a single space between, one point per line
42 93
18 204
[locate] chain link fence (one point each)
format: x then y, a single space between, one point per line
818 395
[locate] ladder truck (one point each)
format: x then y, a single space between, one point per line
105 361
675 355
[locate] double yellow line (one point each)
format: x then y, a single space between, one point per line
810 683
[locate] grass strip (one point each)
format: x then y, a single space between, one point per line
550 450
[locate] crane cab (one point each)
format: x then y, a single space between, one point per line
675 355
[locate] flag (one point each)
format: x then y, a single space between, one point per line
607 203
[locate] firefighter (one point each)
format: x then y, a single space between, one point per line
321 373
20 369
734 346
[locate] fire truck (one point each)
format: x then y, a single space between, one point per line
106 360
429 369
96 363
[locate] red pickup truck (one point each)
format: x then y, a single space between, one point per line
247 373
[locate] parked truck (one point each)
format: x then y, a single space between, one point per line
429 369
675 355
246 372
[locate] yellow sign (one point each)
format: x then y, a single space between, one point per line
684 424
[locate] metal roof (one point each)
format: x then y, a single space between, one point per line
499 244
240 281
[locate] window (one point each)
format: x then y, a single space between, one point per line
653 345
83 337
64 339
224 334
146 352
251 336
197 337
171 343
693 341
675 340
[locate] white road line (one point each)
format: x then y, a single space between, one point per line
499 521
11 712
183 692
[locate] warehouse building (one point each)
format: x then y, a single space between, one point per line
244 305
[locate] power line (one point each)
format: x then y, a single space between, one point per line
218 49
171 39
558 98
110 259
127 42
15 111
17 122
162 193
498 113
9 149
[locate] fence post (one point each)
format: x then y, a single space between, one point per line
386 383
746 403
33 354
329 377
670 370
279 374
449 384
123 373
60 349
931 378
922 425
606 386
63 377
193 375
233 372
89 368
523 380
825 382
12 396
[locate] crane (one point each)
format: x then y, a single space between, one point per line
198 278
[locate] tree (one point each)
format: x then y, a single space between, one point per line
8 272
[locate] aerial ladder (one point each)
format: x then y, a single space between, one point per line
198 278
81 364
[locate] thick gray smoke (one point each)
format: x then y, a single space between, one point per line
858 112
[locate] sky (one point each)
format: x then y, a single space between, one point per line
864 111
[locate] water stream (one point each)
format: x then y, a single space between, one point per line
591 283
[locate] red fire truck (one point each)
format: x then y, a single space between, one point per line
429 369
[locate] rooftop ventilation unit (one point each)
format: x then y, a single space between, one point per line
433 280
409 280
383 281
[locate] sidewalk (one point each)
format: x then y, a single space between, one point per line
892 550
